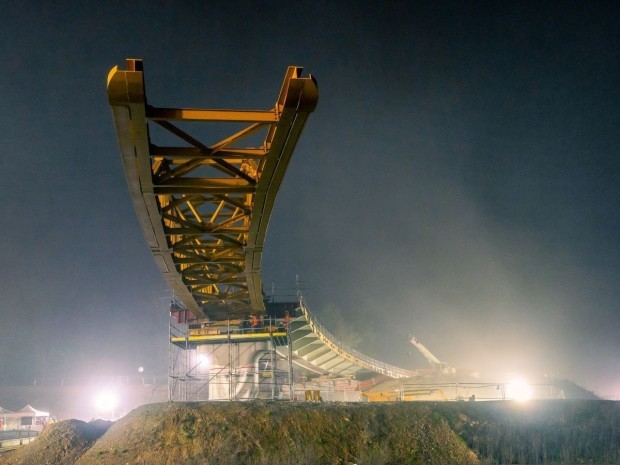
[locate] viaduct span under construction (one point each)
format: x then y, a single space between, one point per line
203 183
204 207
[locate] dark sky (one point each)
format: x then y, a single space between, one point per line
458 181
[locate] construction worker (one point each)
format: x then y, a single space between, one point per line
247 324
287 320
255 322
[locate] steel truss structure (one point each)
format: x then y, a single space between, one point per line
204 206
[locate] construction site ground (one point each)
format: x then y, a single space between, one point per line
337 433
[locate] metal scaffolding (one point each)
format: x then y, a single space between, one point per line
230 360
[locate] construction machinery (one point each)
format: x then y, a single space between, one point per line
434 362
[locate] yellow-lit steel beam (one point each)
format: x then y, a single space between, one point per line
204 206
211 338
192 114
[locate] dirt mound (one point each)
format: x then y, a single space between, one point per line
60 444
279 433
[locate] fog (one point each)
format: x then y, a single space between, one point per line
458 180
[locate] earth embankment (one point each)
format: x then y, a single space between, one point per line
62 443
276 433
279 433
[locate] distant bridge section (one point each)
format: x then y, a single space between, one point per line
204 206
317 347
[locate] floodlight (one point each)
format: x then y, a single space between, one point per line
519 390
106 401
204 361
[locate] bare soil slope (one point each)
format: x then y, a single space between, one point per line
60 444
279 433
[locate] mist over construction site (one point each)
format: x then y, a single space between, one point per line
456 183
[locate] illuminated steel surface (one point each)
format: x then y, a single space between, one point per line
204 206
313 343
313 347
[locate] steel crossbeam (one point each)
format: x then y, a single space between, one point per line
204 206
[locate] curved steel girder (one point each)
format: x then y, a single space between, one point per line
314 344
204 208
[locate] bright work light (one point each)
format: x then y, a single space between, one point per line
106 401
519 390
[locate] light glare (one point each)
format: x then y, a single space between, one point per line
519 390
204 361
106 401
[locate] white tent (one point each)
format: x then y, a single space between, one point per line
26 418
29 410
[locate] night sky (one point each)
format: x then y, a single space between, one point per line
459 180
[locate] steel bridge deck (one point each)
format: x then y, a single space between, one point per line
204 207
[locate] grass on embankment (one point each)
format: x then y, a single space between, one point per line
60 444
279 433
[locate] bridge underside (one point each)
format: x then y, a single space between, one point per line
204 203
204 206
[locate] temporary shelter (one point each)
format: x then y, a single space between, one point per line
27 418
